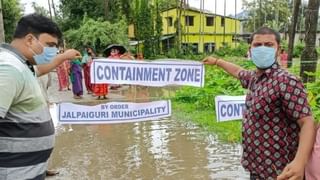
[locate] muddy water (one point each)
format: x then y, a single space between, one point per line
164 149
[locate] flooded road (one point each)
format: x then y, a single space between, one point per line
163 149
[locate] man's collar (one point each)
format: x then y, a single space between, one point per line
18 55
14 50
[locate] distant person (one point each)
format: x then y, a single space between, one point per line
63 76
76 78
284 58
139 56
26 128
87 58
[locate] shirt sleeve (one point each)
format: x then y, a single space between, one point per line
294 99
9 87
244 77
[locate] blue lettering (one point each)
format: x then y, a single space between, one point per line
176 78
91 115
168 73
99 75
135 113
139 74
147 74
133 74
229 110
183 75
197 77
162 74
114 114
222 112
155 74
190 75
236 110
122 72
115 75
107 72
128 74
78 114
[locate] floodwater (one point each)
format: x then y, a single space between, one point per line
164 149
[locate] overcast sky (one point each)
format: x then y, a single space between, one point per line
208 4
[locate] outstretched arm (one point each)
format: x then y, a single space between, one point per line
229 67
60 58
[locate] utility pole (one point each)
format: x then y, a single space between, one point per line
2 37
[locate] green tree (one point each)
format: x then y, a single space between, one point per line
166 4
292 30
309 56
145 30
11 14
158 27
274 13
73 11
97 33
39 9
114 10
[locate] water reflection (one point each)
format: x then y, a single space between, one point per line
164 149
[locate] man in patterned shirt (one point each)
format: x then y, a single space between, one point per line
278 127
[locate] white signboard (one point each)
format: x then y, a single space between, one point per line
229 107
157 73
113 112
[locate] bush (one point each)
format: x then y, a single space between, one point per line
217 82
297 50
239 51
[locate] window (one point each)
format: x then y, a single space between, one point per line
210 21
169 21
222 21
189 20
190 48
209 47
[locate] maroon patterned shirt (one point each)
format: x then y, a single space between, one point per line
274 102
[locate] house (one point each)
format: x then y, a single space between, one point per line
201 31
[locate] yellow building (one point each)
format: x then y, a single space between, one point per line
200 31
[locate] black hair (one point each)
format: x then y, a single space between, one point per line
266 30
36 24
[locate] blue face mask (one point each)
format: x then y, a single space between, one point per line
263 57
46 56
